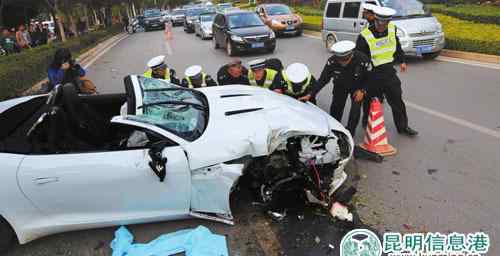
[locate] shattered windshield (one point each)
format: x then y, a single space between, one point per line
178 110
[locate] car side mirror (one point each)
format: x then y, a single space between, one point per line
158 163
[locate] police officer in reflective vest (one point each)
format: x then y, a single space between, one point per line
196 78
298 82
349 69
259 75
368 13
159 70
382 45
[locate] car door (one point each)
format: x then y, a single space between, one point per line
350 19
332 17
115 186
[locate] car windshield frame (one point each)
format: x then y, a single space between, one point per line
255 22
211 17
152 13
269 10
406 8
181 111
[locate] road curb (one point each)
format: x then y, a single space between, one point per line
82 59
479 57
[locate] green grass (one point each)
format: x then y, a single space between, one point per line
308 10
470 36
470 12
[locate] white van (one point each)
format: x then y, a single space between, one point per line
419 32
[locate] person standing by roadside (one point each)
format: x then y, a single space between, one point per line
233 73
8 42
35 34
23 37
44 35
63 69
381 44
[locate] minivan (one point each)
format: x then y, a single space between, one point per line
419 32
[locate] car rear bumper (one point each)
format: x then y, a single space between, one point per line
155 26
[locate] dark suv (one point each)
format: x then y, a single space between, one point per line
242 31
153 20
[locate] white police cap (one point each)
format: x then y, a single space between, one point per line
257 64
297 72
369 7
342 48
384 13
156 61
193 71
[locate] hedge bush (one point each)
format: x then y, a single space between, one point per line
18 72
470 12
469 36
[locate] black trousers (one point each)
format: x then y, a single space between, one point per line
339 99
388 85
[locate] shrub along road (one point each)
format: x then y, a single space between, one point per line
444 180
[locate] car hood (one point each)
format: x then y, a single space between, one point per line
418 25
251 121
251 31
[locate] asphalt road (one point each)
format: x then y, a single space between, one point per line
444 180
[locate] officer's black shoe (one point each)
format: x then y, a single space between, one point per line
409 132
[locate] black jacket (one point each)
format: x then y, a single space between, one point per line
224 78
353 77
399 55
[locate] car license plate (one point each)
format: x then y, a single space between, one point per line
257 45
424 49
290 27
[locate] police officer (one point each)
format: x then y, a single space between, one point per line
159 70
368 13
259 75
196 78
349 70
381 44
233 73
298 82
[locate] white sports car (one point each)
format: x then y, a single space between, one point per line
158 152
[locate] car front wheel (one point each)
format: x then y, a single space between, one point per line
330 40
7 236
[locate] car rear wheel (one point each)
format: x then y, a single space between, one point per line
330 40
214 42
7 236
229 49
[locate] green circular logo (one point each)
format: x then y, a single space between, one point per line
360 242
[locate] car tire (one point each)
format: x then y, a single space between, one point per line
299 32
214 42
330 40
7 236
229 49
431 56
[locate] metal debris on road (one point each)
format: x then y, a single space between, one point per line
277 216
431 171
317 240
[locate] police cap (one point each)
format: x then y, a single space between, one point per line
257 64
384 13
156 62
297 73
193 71
342 48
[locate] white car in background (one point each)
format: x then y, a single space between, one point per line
159 152
203 27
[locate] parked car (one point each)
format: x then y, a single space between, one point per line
191 17
242 31
283 14
153 20
419 32
203 27
177 17
165 16
156 153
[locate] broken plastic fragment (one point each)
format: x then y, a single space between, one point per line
340 212
314 200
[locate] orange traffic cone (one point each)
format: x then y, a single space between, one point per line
376 136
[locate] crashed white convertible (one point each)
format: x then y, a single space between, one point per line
158 152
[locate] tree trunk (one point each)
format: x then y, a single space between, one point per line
133 9
72 25
61 30
86 15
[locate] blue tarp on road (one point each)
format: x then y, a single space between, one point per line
193 242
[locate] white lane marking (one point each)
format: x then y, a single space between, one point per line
469 62
455 120
447 59
105 50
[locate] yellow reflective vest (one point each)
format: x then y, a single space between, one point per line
270 75
149 74
203 81
289 89
381 49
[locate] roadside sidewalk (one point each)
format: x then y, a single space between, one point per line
86 59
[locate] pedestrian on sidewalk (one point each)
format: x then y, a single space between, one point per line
8 42
381 43
23 37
